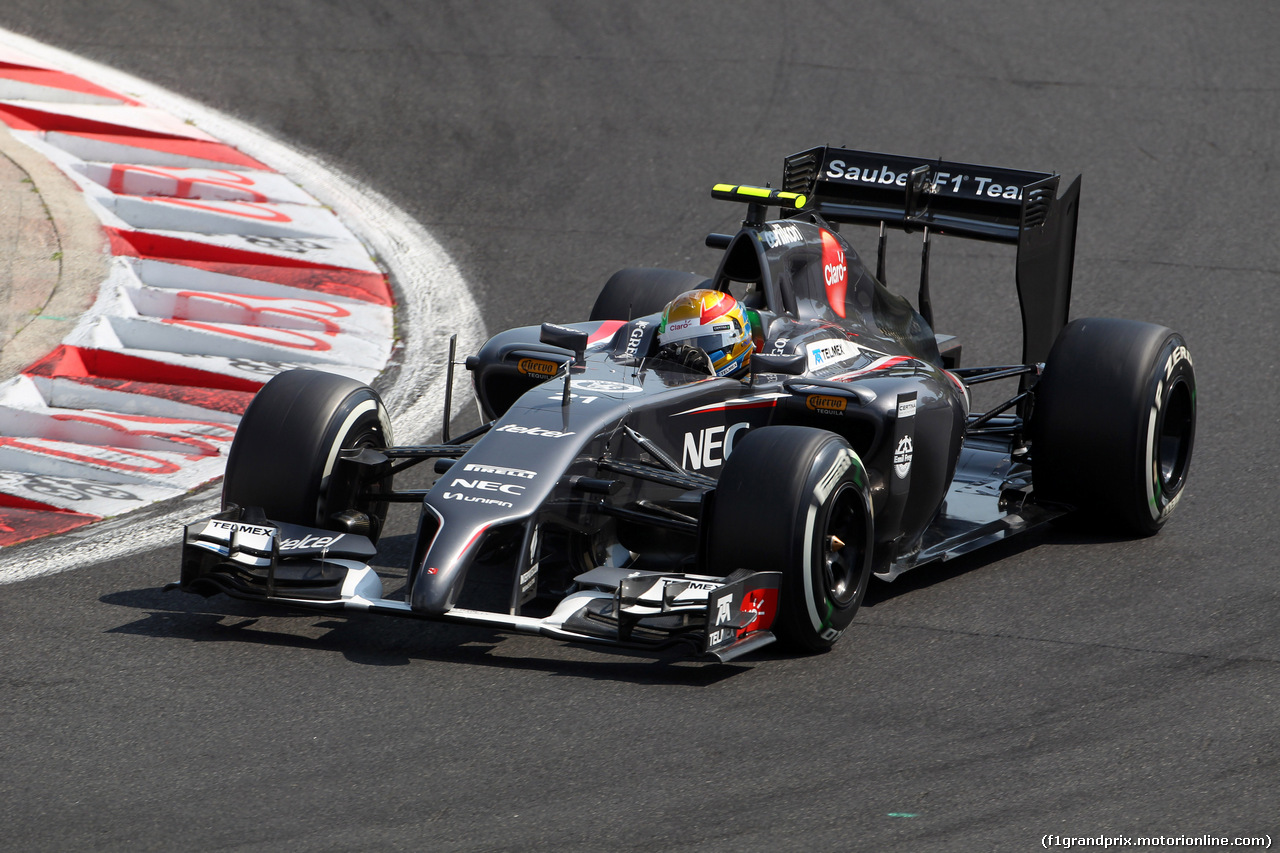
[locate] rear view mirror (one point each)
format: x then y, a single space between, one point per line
791 365
574 340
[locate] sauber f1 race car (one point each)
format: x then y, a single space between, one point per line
627 489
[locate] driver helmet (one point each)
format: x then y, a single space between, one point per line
713 322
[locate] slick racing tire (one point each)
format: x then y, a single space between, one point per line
632 293
795 499
284 457
1114 422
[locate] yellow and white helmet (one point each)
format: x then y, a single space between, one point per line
713 322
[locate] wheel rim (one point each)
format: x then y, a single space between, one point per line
344 486
1173 438
842 545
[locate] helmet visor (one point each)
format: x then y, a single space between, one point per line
712 337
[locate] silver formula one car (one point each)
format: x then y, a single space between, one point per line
622 492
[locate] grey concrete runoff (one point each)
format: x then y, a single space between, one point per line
53 255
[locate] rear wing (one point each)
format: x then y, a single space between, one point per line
963 200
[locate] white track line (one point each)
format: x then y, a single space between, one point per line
433 302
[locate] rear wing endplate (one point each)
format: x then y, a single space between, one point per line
964 200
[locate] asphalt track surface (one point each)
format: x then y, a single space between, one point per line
1063 684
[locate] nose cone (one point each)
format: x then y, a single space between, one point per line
439 577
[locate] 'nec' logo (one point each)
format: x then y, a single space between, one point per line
707 448
488 486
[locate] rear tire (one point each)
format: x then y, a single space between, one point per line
786 494
632 293
1114 423
284 457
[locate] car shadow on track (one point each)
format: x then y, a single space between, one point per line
368 640
1062 532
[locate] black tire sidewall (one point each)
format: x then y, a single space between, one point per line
1172 384
1108 386
632 293
770 513
286 448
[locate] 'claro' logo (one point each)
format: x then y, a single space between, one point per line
826 404
537 367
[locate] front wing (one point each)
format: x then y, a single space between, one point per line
722 617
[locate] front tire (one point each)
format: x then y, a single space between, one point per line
632 293
285 456
795 499
1114 423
